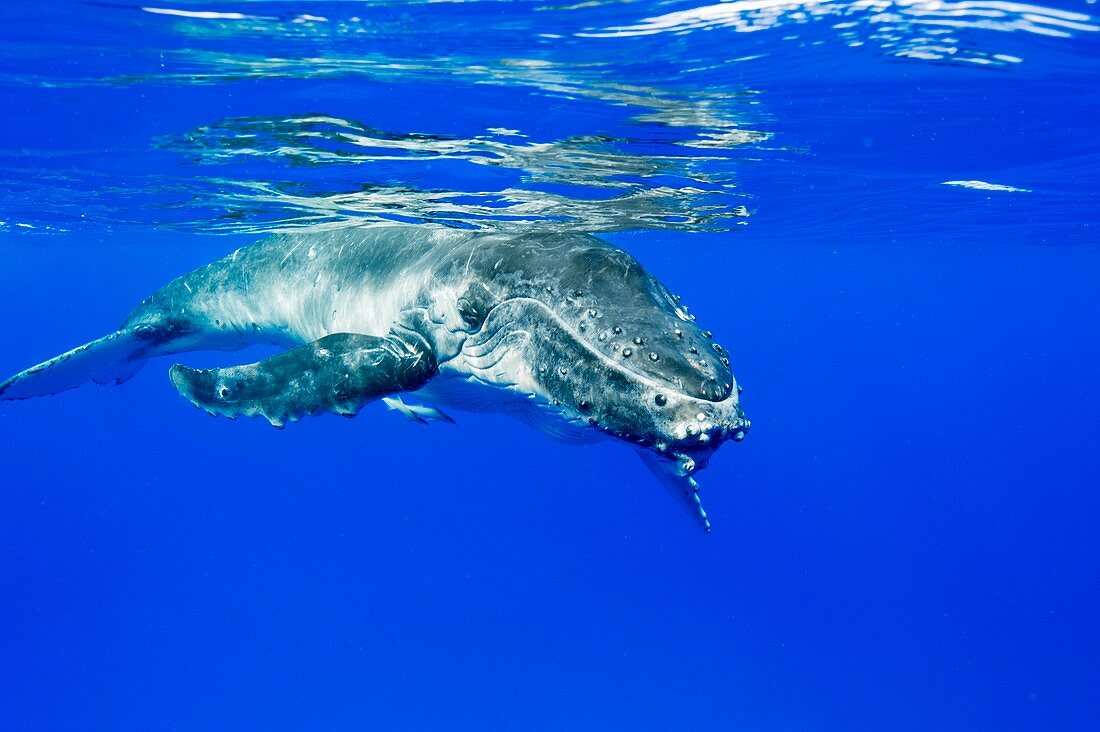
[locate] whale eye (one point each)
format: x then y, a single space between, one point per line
468 311
660 400
474 305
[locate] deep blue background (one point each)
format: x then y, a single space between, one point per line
908 538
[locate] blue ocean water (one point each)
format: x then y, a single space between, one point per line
887 209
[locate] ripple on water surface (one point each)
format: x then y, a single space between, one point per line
597 116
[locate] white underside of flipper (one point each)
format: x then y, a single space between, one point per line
422 413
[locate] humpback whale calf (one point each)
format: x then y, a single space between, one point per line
563 331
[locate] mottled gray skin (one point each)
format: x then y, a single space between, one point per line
564 331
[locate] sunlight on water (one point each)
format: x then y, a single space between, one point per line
596 184
981 185
653 128
206 15
919 29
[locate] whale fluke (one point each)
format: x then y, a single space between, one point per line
338 373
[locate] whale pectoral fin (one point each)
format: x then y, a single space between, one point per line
338 373
683 488
422 413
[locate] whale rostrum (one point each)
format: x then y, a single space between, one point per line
563 331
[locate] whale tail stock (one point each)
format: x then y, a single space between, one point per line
112 359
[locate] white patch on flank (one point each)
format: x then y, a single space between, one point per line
373 311
981 185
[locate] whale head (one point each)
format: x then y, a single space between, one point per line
665 389
598 342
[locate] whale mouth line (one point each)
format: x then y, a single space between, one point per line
679 451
